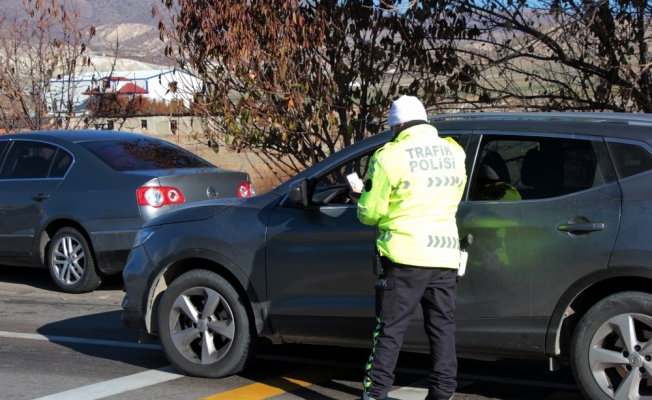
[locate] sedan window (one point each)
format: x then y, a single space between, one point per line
529 167
143 155
60 165
3 144
28 160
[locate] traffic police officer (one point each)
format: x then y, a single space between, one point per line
412 193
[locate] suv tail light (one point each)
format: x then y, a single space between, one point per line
158 196
246 189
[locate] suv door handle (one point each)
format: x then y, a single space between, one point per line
581 224
40 196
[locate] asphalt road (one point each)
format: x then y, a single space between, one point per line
60 346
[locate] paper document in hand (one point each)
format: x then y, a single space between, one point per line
355 182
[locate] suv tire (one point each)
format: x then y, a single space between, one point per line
70 262
186 328
611 351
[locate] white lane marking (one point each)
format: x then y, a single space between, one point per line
67 339
417 390
299 360
118 385
415 371
408 393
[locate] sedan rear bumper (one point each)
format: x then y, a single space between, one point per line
112 249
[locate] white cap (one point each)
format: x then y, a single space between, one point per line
406 109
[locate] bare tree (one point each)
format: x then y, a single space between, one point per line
551 55
295 81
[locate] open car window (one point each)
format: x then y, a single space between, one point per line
332 187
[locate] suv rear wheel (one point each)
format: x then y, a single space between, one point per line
204 327
611 351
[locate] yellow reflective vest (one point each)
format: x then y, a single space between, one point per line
412 192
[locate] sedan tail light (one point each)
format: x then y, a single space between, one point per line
246 189
158 196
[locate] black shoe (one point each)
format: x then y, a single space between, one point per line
429 397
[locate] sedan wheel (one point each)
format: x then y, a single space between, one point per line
70 262
612 350
204 327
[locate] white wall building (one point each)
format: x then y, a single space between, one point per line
160 85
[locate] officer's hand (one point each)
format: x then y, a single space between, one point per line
354 194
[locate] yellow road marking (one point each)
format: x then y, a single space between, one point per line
275 386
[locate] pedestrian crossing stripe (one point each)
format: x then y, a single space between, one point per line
279 385
418 390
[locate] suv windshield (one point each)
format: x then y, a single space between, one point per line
143 154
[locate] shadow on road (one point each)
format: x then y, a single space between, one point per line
93 316
105 326
39 278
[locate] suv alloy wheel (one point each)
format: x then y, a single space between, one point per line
611 351
204 327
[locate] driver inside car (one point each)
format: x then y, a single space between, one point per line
489 187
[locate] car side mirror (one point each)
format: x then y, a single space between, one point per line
299 193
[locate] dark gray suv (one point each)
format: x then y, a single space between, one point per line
564 273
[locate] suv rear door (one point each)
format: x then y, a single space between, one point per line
526 253
633 163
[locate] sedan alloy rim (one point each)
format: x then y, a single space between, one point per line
68 260
201 325
620 357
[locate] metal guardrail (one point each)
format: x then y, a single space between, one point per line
625 118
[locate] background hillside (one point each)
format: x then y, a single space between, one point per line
107 12
128 22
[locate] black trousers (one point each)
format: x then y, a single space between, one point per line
398 292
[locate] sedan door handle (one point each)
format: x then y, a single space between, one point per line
582 227
40 196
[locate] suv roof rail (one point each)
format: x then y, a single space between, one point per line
625 118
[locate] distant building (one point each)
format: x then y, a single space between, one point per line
165 85
131 89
